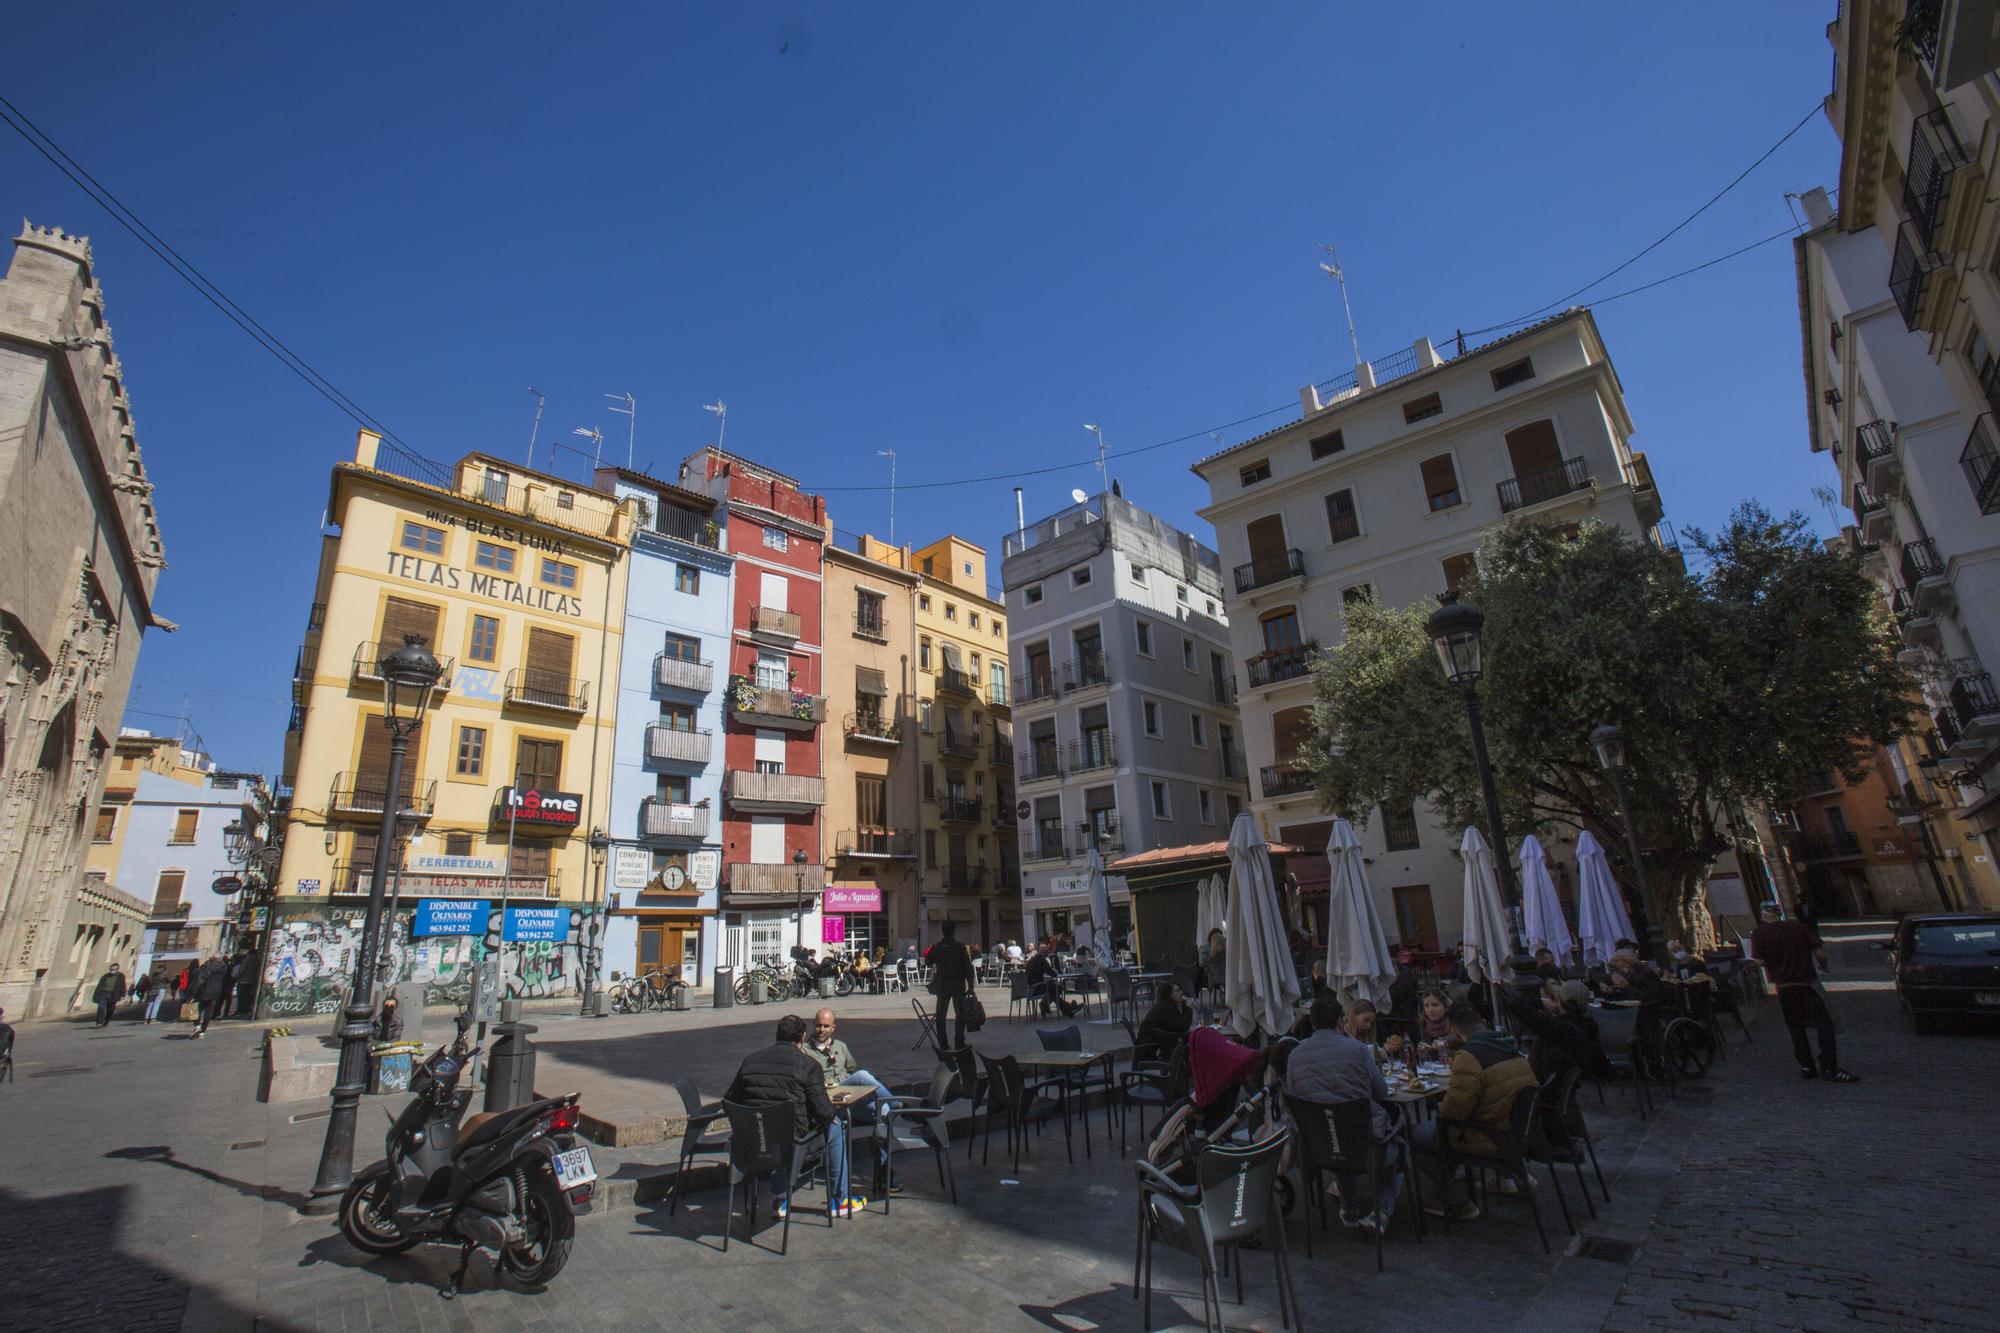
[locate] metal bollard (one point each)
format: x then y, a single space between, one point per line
725 987
510 1065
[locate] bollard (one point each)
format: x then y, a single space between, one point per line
682 999
510 1065
826 988
757 995
725 987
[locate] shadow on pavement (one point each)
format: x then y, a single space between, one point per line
165 1157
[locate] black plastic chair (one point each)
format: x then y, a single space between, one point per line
926 1027
1019 1103
701 1137
1018 997
1554 1139
1234 1198
1508 1155
1340 1137
1618 1034
906 1124
1158 1085
761 1146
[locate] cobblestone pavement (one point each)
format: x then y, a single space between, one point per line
144 1189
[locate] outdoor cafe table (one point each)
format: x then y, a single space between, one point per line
1066 1063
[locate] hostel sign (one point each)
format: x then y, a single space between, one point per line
543 809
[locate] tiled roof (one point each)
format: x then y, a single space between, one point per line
1199 851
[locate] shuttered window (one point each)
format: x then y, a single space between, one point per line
871 800
531 859
107 823
1440 482
869 681
401 616
546 677
1534 448
538 763
185 823
1458 570
371 770
1266 538
167 896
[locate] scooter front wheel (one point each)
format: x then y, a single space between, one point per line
364 1219
550 1228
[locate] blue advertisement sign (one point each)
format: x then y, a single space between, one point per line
450 916
545 925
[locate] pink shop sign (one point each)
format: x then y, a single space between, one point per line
839 899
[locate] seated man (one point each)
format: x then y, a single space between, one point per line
1165 1027
1331 1067
839 1069
1485 1074
1565 1036
782 1074
1045 984
1545 965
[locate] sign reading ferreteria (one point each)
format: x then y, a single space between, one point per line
532 805
482 583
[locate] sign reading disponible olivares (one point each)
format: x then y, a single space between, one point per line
545 809
455 916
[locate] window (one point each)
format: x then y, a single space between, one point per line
923 601
1180 593
1399 828
1211 604
1342 522
1206 800
677 717
1459 570
1139 575
681 648
1440 482
999 629
674 789
871 800
966 566
950 611
1256 472
471 752
687 579
1419 408
927 565
1079 578
1198 730
1329 443
495 491
930 848
774 671
485 643
167 894
923 654
1518 373
1145 633
1031 595
558 574
924 718
1162 807
458 844
185 823
777 539
868 619
972 620
1356 593
421 538
107 823
565 499
1188 658
1281 629
1151 710
500 559
537 763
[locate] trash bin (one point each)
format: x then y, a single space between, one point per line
826 988
725 987
389 1070
757 995
510 1067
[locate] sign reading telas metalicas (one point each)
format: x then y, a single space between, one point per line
532 805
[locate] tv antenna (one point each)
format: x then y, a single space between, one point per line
1103 477
596 437
721 410
536 429
1331 267
889 454
631 409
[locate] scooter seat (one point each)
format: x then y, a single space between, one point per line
470 1129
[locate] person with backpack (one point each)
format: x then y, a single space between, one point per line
210 989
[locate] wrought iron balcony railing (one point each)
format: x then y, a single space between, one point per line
1281 664
1285 780
1092 751
1270 569
1548 483
547 689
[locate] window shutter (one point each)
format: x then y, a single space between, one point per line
371 771
867 680
550 654
1267 538
167 897
869 792
401 616
1533 448
1439 476
538 763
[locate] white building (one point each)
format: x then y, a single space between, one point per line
1383 489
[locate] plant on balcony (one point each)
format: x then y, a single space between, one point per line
1743 681
802 705
746 694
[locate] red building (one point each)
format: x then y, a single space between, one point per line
773 786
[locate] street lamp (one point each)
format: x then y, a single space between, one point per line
409 674
799 866
1454 628
235 841
600 844
1609 743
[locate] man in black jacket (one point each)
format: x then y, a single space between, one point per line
110 990
211 988
784 1075
951 981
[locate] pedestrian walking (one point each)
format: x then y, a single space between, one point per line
951 982
1789 951
110 990
210 990
242 975
156 995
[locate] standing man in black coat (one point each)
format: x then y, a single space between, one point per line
951 981
110 990
211 991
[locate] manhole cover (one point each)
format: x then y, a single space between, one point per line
60 1069
1610 1251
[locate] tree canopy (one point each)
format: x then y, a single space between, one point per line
1747 680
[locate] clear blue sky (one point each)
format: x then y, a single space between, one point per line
952 232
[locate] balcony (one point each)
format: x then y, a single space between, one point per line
1235 768
1919 629
1910 268
1550 483
876 844
1007 879
1974 705
1281 664
668 819
1269 571
998 697
316 617
960 809
1222 689
677 745
874 628
1645 494
960 684
775 793
1872 516
757 885
1086 670
303 668
956 745
363 795
770 622
1981 461
961 877
679 673
1935 157
786 709
1001 755
1876 456
1003 811
557 691
367 668
1838 845
1039 763
1046 845
1661 535
1093 751
1038 687
1284 780
685 525
873 729
1925 577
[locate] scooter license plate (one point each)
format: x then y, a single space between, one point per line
574 1168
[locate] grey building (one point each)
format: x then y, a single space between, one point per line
1125 726
79 555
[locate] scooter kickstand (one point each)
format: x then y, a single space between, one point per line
458 1279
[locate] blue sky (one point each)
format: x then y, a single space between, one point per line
954 233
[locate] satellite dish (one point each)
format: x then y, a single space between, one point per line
1078 495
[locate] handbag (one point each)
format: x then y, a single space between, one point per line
972 1012
191 1011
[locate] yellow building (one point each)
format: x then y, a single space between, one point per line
517 581
969 859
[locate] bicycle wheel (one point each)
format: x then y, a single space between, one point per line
621 999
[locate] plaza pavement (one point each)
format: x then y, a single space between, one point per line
143 1188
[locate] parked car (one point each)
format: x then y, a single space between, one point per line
1947 963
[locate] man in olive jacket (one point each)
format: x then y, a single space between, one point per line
1485 1074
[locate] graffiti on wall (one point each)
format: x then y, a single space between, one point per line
309 961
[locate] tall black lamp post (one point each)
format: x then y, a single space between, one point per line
1454 627
409 674
799 866
1609 743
